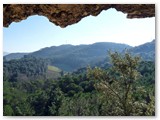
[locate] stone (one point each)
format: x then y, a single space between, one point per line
68 14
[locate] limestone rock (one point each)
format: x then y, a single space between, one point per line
67 14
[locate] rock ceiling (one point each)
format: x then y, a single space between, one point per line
67 14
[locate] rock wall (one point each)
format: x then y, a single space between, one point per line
67 14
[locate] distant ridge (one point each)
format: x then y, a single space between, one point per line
146 51
71 57
15 56
5 53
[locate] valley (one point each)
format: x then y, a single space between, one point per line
84 80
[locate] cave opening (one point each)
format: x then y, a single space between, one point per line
89 68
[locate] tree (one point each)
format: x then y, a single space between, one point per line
55 101
81 104
119 86
8 111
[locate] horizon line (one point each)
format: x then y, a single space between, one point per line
75 45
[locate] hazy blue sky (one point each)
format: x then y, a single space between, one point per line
110 26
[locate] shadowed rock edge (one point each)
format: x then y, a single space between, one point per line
67 14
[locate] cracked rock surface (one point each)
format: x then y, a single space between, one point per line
67 14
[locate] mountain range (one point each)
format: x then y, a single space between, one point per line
70 57
5 53
146 51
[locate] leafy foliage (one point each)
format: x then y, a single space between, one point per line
125 87
122 86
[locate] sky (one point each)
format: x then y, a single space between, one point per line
37 32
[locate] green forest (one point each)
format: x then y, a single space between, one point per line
125 87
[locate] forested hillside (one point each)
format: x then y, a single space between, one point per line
125 88
12 56
70 58
146 51
28 68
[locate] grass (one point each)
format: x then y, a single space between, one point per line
53 68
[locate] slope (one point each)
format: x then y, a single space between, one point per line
146 51
70 58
